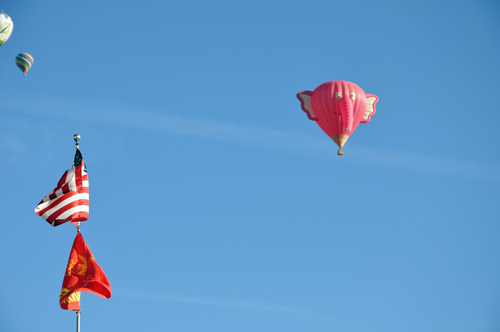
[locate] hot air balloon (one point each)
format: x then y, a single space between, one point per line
338 107
24 61
6 27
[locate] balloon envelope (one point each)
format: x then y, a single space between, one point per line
338 107
24 61
6 27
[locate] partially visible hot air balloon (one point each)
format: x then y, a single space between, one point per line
24 61
338 107
6 27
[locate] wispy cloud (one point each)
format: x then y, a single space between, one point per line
228 303
147 119
420 162
12 144
261 137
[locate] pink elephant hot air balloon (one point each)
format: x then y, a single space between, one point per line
338 107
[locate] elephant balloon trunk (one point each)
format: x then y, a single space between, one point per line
347 111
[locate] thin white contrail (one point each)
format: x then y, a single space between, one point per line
265 138
228 303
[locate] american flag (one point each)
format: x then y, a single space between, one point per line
69 201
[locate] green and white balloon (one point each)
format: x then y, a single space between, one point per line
6 27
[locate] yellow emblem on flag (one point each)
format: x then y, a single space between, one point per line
72 298
77 269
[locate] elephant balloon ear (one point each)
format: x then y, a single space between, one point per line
305 101
371 100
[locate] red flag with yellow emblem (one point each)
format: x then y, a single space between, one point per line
82 274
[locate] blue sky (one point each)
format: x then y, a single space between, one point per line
215 204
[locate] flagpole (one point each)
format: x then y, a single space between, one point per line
78 321
77 137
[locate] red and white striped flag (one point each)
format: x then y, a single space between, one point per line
69 201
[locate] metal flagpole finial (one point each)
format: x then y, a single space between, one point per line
77 137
